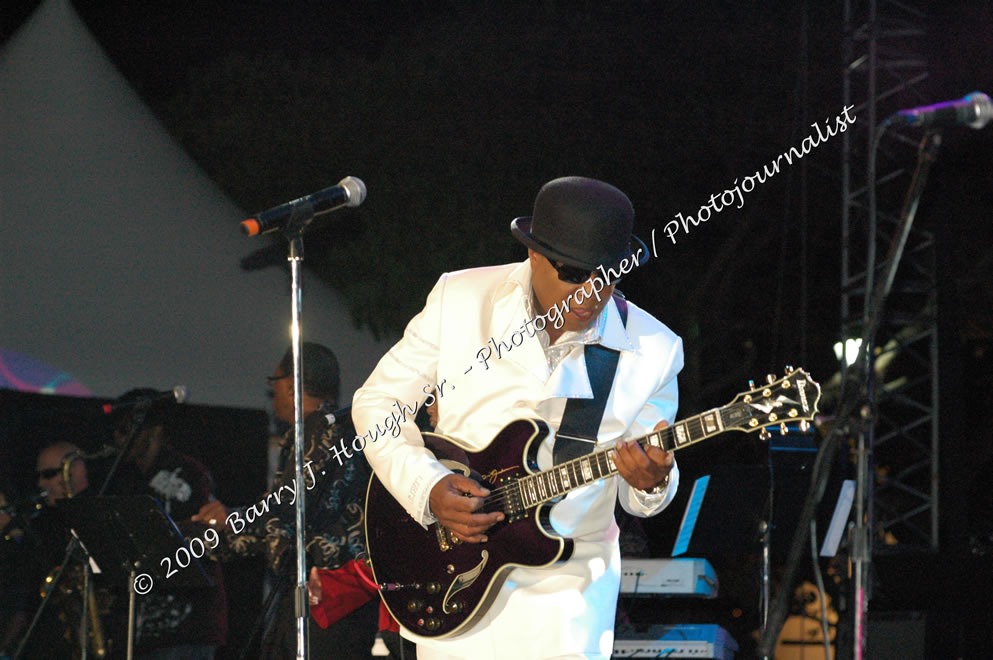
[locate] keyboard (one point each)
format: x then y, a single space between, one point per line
681 576
675 641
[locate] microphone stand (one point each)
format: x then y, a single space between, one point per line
282 578
301 212
855 413
137 418
300 217
765 529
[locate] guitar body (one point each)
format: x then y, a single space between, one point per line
436 587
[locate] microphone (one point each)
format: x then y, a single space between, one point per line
350 191
177 394
975 110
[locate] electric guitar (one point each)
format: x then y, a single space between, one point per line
436 586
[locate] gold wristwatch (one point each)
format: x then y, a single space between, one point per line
658 490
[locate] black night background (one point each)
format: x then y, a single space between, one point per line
455 113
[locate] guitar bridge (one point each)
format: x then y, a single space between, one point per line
442 535
446 539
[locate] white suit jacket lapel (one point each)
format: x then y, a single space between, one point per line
570 380
508 316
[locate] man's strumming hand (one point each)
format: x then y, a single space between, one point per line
454 501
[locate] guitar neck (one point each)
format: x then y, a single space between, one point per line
559 480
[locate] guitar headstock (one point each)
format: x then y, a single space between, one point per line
791 398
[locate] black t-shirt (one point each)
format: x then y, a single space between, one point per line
167 615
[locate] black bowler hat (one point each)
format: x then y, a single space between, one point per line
580 222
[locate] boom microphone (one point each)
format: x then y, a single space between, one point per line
975 110
177 394
350 191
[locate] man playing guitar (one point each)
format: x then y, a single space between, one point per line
579 239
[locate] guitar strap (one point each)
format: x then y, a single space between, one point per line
577 433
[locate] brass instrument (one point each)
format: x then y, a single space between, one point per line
77 581
73 583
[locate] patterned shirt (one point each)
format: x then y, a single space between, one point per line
334 506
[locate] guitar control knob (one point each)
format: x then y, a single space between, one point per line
433 587
429 610
415 606
421 622
433 624
456 607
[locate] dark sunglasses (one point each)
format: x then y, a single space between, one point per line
574 274
48 473
570 274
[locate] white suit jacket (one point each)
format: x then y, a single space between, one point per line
539 613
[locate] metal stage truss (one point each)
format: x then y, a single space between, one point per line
883 71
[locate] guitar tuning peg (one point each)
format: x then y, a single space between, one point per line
751 384
782 428
789 369
764 435
804 426
770 379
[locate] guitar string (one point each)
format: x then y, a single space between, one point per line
502 494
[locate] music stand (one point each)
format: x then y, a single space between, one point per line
724 510
842 509
122 535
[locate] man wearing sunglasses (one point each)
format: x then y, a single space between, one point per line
51 473
542 313
334 534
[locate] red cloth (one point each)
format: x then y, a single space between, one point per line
343 591
386 620
346 589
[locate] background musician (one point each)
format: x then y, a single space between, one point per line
173 623
15 583
44 544
335 533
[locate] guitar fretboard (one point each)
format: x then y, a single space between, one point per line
559 480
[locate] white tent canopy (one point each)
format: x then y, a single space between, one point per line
119 258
